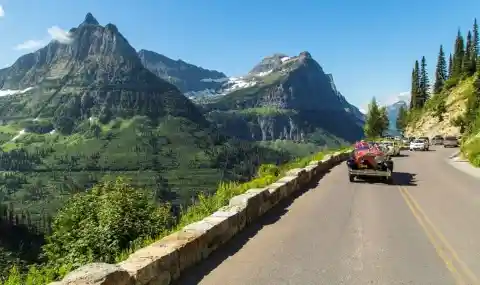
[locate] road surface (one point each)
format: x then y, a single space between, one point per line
424 230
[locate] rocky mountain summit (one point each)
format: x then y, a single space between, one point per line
285 97
94 72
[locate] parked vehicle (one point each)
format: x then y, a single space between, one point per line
425 138
391 148
450 141
437 140
418 144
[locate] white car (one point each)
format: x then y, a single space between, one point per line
418 145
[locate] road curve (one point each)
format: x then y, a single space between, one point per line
423 230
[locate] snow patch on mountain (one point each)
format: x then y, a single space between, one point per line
9 92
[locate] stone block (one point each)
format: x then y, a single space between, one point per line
311 171
253 203
185 244
264 198
295 172
236 217
278 191
158 261
291 183
98 274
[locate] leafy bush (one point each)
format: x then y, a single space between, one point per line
471 151
268 169
96 225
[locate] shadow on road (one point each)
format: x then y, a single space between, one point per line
404 179
399 179
195 274
402 155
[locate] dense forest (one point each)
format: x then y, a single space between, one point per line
463 63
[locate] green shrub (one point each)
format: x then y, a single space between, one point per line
471 150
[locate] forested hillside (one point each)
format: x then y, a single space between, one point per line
451 104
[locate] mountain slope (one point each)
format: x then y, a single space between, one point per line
427 123
95 73
187 77
86 110
285 98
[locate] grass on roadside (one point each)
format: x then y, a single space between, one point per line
471 150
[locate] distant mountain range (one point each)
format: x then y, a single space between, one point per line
392 111
100 66
294 89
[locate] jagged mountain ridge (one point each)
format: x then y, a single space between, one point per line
95 73
187 77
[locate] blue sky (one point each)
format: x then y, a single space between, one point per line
369 46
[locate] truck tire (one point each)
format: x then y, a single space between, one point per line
389 180
351 178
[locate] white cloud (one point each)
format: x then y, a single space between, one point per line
30 45
60 35
2 12
55 33
402 96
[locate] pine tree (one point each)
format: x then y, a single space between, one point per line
475 46
467 56
424 86
440 72
414 93
458 56
450 66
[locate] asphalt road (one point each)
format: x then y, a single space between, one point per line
423 230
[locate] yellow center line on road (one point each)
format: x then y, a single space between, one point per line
443 248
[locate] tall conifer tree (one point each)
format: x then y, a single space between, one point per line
424 83
413 90
475 44
440 72
458 55
467 56
450 66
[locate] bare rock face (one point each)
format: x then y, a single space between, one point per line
292 98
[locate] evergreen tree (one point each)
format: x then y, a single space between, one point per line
458 56
467 64
415 89
424 86
450 66
475 44
376 122
401 122
440 72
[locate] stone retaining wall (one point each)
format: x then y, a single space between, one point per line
163 261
